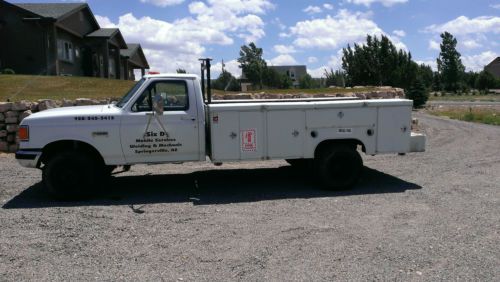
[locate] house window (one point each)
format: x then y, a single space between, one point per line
65 51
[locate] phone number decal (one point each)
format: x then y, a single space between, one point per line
81 118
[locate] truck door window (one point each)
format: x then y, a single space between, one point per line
174 93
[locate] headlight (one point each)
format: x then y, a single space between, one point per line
23 133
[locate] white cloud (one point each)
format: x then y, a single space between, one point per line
333 32
477 62
470 44
312 10
434 45
283 49
463 25
163 3
104 22
179 44
282 60
400 33
335 63
230 66
495 6
328 6
431 63
386 3
285 35
312 60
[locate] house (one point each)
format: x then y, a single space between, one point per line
63 39
494 67
294 72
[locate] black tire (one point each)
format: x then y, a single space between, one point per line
338 167
71 175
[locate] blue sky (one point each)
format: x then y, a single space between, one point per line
174 33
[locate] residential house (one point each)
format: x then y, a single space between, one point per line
61 39
494 67
294 72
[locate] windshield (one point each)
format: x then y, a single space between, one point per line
130 93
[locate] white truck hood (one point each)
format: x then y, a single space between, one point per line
75 111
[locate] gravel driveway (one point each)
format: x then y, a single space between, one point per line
430 216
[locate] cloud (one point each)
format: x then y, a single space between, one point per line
282 60
283 49
312 60
231 66
470 44
386 3
328 6
400 33
434 45
477 62
333 32
431 63
104 22
495 6
312 10
179 43
163 3
335 63
463 25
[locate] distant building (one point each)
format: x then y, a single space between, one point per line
294 72
64 39
494 67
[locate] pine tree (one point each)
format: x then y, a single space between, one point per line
418 93
449 63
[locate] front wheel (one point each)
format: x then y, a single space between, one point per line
71 175
338 167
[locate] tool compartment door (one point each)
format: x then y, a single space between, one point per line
286 131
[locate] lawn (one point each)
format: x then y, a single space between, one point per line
467 98
471 114
32 88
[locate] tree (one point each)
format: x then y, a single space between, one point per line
272 78
485 81
252 64
227 82
335 78
449 63
306 82
179 70
378 62
426 75
418 93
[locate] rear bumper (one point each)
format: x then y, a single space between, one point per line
417 142
28 158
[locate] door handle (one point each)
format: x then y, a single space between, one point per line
188 118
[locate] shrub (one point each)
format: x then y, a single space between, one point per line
8 71
418 94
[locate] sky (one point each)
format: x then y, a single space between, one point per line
175 33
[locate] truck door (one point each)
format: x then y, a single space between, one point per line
171 137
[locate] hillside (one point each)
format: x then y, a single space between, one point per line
27 87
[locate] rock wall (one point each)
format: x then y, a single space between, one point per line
12 113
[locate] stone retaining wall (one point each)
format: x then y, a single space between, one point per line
12 113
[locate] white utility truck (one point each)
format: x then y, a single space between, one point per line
167 119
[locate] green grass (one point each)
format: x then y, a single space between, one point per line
467 98
32 88
480 115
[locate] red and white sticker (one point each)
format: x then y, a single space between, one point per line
249 140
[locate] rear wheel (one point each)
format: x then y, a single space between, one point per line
338 167
71 175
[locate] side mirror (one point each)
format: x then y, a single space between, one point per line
158 104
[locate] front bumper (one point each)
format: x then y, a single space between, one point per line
29 158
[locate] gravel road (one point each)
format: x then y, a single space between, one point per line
430 216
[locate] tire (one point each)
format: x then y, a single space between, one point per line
338 167
71 175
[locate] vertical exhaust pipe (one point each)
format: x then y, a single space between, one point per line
205 66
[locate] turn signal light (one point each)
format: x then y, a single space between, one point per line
23 133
